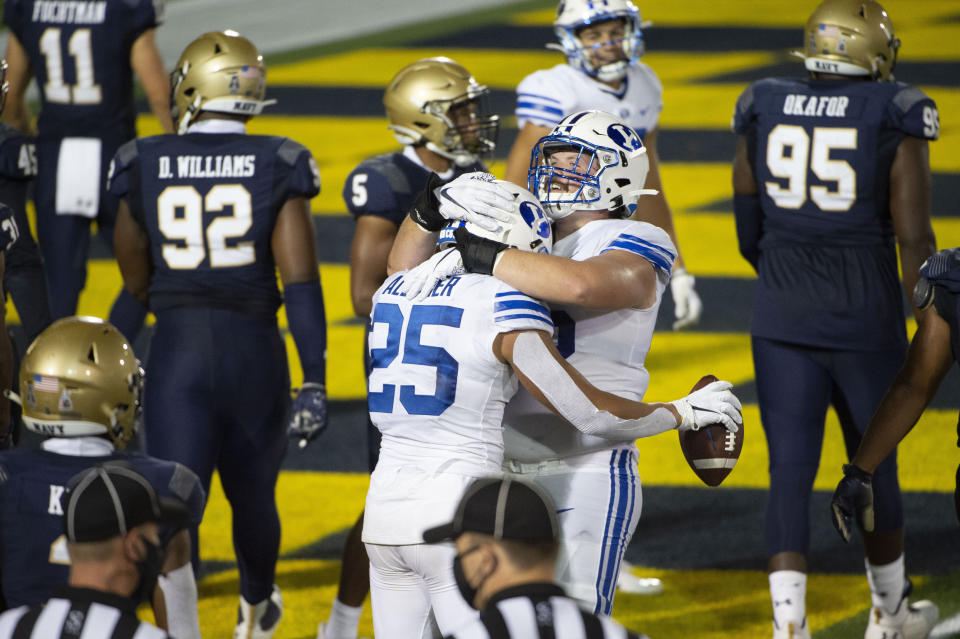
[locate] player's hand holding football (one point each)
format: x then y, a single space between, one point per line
853 498
419 281
687 306
715 403
308 415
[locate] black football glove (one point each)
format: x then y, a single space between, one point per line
308 415
853 498
426 208
478 253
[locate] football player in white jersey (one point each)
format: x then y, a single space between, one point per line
603 42
604 281
442 371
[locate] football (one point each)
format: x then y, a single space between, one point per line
712 451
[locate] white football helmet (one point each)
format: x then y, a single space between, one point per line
530 229
591 161
573 15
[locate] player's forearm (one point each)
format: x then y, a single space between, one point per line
306 318
17 115
898 413
412 246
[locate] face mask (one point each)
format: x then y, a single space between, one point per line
468 592
149 569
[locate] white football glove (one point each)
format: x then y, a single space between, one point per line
477 198
420 281
687 306
712 404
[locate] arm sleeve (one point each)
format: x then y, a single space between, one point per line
367 191
13 16
9 232
540 102
748 214
306 318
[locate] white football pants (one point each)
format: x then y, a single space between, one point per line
598 501
407 582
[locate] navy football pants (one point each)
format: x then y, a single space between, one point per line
795 386
217 393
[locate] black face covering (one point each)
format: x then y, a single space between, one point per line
468 592
149 569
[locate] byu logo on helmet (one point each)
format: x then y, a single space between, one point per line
535 219
624 136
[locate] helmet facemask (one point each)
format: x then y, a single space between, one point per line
573 28
471 131
590 162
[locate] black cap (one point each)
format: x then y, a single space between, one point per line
109 500
503 508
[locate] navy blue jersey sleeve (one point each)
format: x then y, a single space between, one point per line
304 178
743 114
943 269
185 485
368 192
9 232
13 16
145 14
121 168
18 154
914 113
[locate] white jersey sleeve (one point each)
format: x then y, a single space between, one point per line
543 100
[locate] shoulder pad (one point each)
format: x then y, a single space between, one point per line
386 166
743 107
289 151
127 153
907 97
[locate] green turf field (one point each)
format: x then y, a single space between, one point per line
705 544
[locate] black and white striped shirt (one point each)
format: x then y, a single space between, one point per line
78 612
540 611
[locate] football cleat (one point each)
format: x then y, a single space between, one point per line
791 630
910 621
631 584
259 621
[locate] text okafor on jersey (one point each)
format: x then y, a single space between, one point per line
208 203
545 97
821 153
437 392
607 347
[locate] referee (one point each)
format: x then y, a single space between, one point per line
111 517
505 531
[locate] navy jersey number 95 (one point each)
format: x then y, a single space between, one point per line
208 203
821 153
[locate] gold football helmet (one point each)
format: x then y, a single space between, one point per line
436 102
219 71
850 37
80 377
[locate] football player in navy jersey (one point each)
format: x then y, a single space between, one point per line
934 349
436 110
206 220
831 176
83 56
8 237
81 387
23 277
